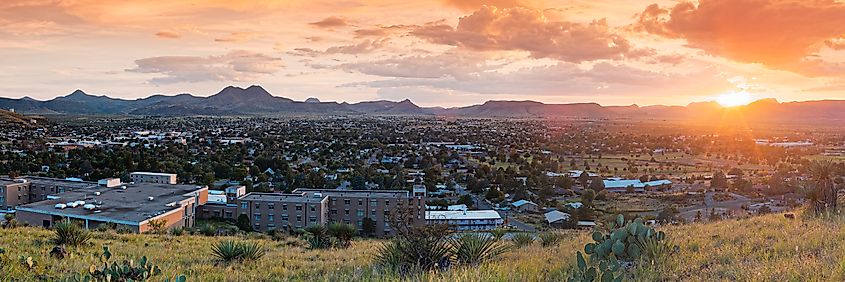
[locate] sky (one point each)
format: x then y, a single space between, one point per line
433 52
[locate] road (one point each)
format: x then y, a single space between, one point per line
710 203
484 205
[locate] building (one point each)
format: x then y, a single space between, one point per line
153 177
303 207
271 211
525 206
557 218
635 185
30 189
466 220
132 206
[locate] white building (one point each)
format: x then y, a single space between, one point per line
466 220
153 177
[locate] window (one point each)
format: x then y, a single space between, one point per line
284 207
271 227
257 216
360 223
313 219
257 206
228 214
360 202
299 207
269 217
270 206
243 205
373 213
373 203
386 202
298 218
346 212
284 217
386 213
334 211
347 202
360 212
313 208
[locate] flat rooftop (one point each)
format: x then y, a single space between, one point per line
279 197
59 182
388 194
128 206
458 215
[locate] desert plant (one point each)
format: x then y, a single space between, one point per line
318 237
498 233
207 230
226 251
418 248
9 221
550 239
604 272
68 233
157 225
128 270
229 251
343 233
178 231
625 242
522 239
474 249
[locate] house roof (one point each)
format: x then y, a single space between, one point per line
522 203
455 215
555 216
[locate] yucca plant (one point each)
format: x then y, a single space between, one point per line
251 251
343 233
318 237
226 251
230 251
549 239
67 233
522 239
421 248
498 233
474 249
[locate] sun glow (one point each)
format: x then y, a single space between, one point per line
733 99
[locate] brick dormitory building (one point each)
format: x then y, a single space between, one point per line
40 201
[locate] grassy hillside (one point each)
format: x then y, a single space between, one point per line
767 248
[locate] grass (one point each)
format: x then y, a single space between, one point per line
765 248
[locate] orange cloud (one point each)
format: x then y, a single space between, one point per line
330 22
168 34
780 34
523 29
238 65
475 4
237 37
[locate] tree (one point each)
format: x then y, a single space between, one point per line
597 184
668 214
243 223
719 181
358 183
494 194
823 191
587 197
584 179
157 225
368 226
466 200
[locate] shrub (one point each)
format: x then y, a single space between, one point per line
207 230
157 225
178 231
550 239
229 251
420 248
474 249
243 223
68 233
498 233
343 233
318 237
9 221
128 270
522 239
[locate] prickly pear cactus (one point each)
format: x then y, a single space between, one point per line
624 241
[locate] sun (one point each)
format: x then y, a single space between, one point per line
734 99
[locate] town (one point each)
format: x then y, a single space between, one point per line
473 174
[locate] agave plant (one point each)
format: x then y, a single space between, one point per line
522 239
68 233
229 251
318 237
343 233
498 233
474 249
550 239
420 249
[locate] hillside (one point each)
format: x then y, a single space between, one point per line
255 100
766 248
13 118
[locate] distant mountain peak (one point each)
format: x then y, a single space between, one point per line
312 100
77 92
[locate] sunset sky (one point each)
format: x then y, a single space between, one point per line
434 52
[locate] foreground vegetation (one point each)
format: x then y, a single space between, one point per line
765 248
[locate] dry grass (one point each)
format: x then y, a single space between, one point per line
766 248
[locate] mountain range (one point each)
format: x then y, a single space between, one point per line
255 100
